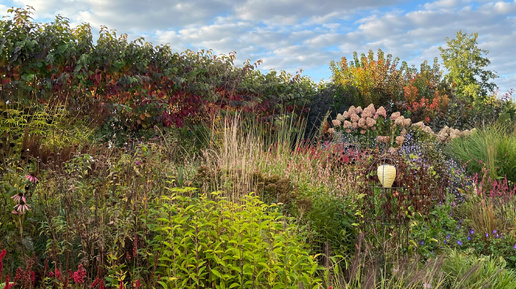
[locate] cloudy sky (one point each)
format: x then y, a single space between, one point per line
302 34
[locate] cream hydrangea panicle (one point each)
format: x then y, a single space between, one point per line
381 112
395 115
399 140
370 122
399 120
362 123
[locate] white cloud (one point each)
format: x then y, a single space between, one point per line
442 4
133 15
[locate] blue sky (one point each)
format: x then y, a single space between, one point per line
302 34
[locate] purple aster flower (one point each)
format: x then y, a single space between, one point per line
448 237
472 232
459 242
487 235
494 232
421 243
469 238
514 247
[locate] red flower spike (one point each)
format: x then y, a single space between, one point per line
101 286
18 275
7 286
79 275
95 283
2 255
121 285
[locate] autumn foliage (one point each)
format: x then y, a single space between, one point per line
54 63
383 81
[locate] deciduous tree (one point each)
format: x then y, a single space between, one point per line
466 64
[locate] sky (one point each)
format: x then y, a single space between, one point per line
295 35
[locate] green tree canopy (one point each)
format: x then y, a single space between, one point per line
466 64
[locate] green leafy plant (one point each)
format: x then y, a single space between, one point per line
203 243
491 148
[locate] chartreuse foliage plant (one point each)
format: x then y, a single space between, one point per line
210 242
